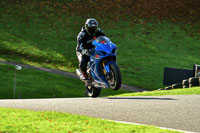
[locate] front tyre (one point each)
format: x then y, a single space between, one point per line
92 91
115 77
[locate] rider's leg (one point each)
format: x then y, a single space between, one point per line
83 61
83 64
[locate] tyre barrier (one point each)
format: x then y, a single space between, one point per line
187 83
168 88
176 86
194 82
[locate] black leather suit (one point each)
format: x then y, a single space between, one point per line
84 41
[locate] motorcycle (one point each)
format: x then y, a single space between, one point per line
102 69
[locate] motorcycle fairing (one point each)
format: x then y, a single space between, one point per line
103 49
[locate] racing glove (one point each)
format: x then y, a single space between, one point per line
85 52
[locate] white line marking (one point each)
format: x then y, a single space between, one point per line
151 125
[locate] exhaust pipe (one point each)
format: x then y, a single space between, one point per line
79 74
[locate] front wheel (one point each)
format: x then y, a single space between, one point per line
115 77
92 91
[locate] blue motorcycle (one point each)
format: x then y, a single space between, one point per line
102 70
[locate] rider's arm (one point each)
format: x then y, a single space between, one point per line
100 32
80 41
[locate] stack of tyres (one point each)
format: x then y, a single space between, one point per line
194 81
185 83
176 86
168 88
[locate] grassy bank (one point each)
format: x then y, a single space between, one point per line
186 91
44 34
52 122
38 84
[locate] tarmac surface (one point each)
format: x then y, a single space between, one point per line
176 112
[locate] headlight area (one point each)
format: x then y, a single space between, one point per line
103 53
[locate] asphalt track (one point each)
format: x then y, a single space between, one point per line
176 112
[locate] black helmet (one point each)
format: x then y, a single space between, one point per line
91 26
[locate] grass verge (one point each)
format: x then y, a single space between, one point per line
23 121
32 83
186 91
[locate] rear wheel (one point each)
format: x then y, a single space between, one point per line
92 91
115 77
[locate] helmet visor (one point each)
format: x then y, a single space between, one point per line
92 29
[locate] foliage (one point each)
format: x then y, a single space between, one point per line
123 9
174 10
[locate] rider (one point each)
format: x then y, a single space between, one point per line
84 42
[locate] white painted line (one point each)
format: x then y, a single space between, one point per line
151 125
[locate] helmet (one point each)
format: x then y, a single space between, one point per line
91 26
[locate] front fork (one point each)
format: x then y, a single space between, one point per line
106 69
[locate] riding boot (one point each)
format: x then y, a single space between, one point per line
84 73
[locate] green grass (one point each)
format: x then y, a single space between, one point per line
23 121
37 84
186 91
32 83
44 34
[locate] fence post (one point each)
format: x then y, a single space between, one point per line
17 67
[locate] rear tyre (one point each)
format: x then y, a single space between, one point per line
115 81
92 91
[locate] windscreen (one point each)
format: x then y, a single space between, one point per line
103 39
